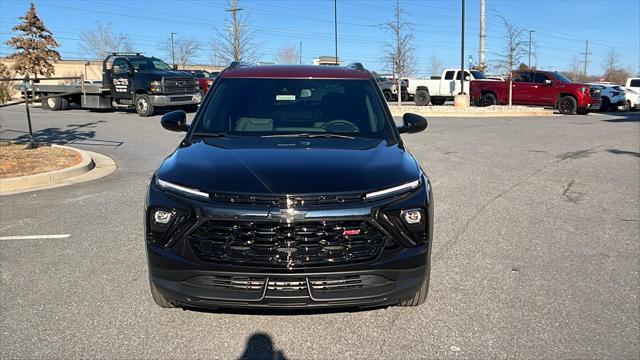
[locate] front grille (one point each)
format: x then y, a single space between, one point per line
179 85
288 200
286 245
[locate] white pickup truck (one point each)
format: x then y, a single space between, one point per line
439 89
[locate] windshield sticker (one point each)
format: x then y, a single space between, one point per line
285 97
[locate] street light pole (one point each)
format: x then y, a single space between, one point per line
173 53
530 32
462 54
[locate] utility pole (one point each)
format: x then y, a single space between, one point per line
462 54
173 53
335 26
482 35
237 53
530 32
586 54
300 53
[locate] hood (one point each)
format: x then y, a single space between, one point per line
167 73
289 166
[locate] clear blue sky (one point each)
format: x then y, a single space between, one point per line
561 27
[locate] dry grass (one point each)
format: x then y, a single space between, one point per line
16 160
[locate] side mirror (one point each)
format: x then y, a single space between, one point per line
548 82
175 121
413 123
467 78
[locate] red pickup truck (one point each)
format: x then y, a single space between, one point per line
538 88
204 78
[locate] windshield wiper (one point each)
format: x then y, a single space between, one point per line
308 135
212 134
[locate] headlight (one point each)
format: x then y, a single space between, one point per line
154 86
165 185
584 90
393 190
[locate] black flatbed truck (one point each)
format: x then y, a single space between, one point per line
128 81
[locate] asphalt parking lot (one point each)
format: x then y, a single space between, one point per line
536 252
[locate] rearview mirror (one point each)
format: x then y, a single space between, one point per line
175 121
413 123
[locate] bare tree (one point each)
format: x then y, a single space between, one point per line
575 70
213 49
288 54
516 48
184 48
613 68
237 39
101 41
399 53
436 65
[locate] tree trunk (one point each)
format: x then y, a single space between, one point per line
510 89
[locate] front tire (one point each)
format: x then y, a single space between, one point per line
158 298
606 104
422 97
488 100
420 297
626 106
388 95
143 105
568 105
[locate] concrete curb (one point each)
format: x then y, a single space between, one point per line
93 166
396 112
27 181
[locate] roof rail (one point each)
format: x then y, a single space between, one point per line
125 54
237 64
357 66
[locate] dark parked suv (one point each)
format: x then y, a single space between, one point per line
291 189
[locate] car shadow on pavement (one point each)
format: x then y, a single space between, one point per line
73 133
623 152
260 346
624 117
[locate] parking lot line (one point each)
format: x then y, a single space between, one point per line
34 237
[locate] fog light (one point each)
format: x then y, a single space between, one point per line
162 217
413 216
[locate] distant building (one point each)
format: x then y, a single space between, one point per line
326 60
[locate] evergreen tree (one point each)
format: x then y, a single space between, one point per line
35 46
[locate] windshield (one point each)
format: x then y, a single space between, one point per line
146 64
561 78
310 107
478 74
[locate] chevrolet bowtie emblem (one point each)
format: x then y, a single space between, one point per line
286 215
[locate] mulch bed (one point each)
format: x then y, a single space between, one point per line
17 160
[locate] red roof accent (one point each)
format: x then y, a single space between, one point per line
295 71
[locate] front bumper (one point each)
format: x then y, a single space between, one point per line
175 100
188 280
381 285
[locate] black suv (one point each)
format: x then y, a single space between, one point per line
291 189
